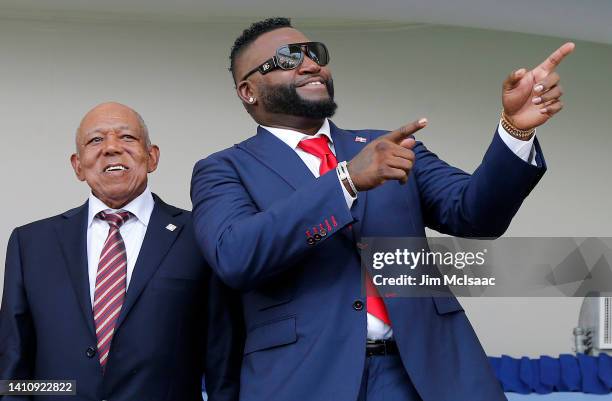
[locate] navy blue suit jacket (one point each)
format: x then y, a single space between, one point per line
255 206
174 325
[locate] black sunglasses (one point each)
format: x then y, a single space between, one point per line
290 56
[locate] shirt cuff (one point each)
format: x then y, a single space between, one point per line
347 196
523 149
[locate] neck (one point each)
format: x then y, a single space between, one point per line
304 125
120 201
115 203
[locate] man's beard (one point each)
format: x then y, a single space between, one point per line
284 99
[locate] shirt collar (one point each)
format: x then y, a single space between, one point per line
141 207
291 138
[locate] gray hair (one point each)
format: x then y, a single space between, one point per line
144 128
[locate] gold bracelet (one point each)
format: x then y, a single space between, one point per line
512 130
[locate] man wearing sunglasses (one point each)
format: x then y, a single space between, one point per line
280 216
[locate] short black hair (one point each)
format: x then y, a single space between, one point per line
254 31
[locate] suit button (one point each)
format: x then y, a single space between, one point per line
310 241
323 233
91 352
317 237
358 305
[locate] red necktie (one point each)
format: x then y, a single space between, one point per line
110 283
319 147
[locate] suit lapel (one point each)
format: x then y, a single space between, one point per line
281 159
277 156
72 236
157 242
347 145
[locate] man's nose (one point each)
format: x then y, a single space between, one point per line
112 144
308 66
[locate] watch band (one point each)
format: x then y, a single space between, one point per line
344 175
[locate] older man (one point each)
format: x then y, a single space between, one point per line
280 215
114 294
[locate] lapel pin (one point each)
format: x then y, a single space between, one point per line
360 139
170 227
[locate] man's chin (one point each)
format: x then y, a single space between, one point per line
314 103
310 96
116 194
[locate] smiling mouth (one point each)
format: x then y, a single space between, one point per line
110 169
313 83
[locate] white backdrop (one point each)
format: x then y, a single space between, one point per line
175 75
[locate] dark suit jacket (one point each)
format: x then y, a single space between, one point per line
175 324
257 208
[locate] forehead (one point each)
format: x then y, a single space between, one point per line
265 45
109 117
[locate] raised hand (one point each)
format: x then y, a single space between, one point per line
530 98
388 157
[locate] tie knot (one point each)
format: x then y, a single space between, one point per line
114 219
316 146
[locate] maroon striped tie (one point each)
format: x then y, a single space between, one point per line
110 283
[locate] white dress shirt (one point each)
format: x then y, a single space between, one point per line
377 329
132 231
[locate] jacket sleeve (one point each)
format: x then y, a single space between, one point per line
481 204
17 336
247 246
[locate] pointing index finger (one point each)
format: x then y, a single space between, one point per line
404 132
556 57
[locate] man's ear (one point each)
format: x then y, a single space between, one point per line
153 158
76 166
245 92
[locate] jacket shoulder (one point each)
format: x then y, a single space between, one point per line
48 222
228 156
174 211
